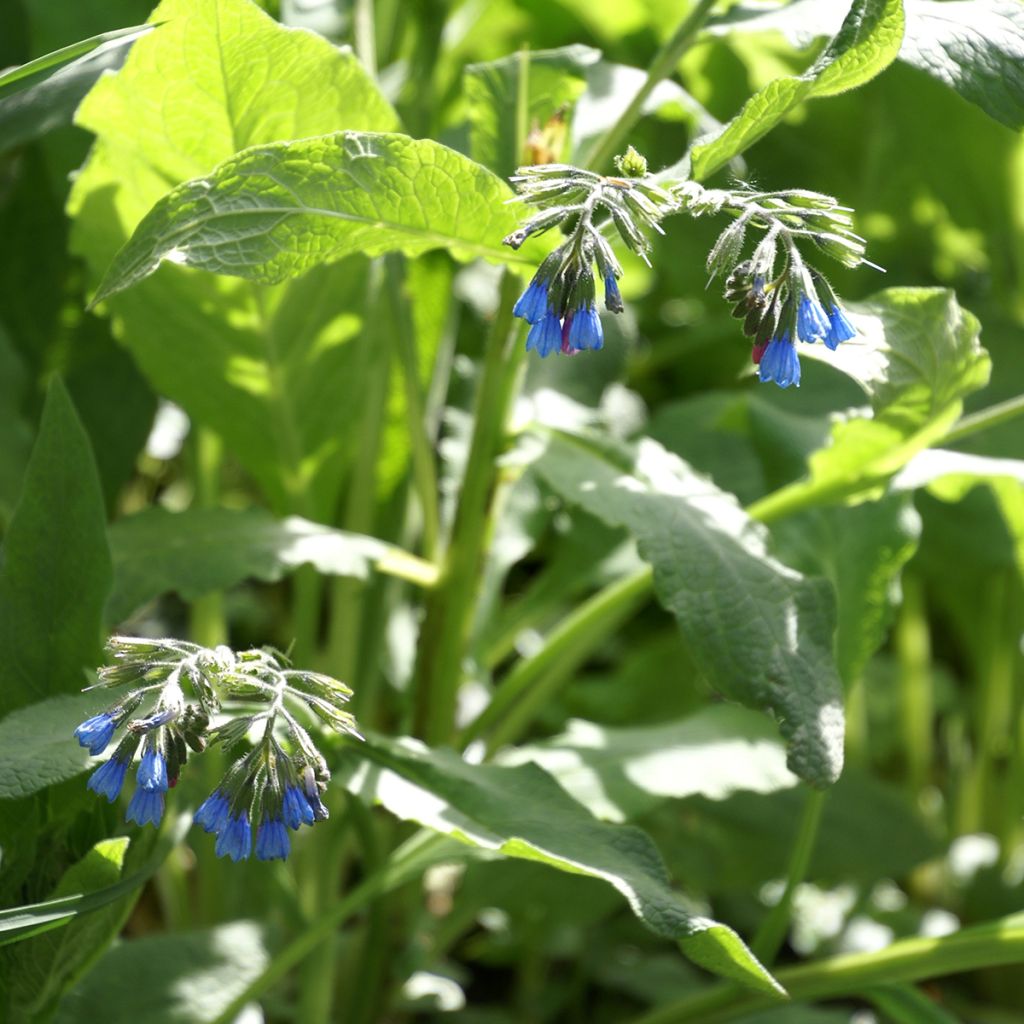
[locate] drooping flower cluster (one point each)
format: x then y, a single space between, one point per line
560 302
267 790
796 303
778 308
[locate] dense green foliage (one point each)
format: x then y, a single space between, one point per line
679 696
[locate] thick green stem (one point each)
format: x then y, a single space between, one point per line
993 416
662 66
987 945
207 624
446 628
424 470
534 680
913 650
773 929
365 35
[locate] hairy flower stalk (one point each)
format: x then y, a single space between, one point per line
781 299
191 696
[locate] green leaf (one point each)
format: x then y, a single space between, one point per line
56 567
759 631
274 211
41 969
950 476
975 47
49 89
917 356
905 1004
619 774
39 746
269 369
201 550
522 812
866 44
555 79
182 978
20 923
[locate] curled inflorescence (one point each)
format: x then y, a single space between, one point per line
779 296
182 697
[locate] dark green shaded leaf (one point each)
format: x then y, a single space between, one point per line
56 566
973 46
195 552
523 812
185 978
760 632
39 746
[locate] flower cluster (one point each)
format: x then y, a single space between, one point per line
779 297
230 695
779 305
560 302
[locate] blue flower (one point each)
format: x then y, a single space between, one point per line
780 362
213 812
146 805
296 808
839 328
152 774
585 329
108 779
811 322
95 732
533 303
545 335
312 792
612 295
235 841
272 842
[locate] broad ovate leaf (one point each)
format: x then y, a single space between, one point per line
522 812
274 211
760 632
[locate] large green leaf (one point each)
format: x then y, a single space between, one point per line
760 632
865 45
183 978
39 970
917 356
522 812
269 369
195 552
554 80
56 567
38 744
621 773
975 47
274 211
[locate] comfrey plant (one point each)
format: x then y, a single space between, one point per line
779 296
182 696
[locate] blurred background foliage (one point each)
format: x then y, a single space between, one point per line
923 831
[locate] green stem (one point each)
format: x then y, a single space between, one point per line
365 36
770 935
446 628
994 415
424 471
913 651
361 496
535 680
409 860
662 66
207 624
987 945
